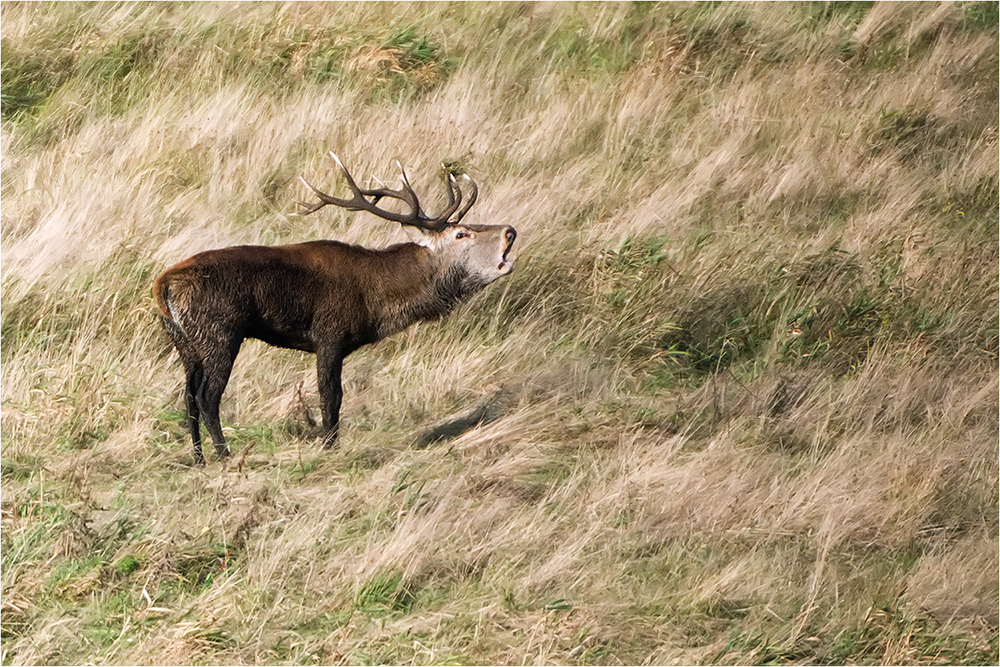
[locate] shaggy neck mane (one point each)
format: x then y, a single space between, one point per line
428 290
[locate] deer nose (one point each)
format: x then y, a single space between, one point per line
509 235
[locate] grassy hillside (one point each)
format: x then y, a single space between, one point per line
741 390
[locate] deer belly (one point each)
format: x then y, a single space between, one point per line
293 340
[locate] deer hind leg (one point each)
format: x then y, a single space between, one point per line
218 364
194 378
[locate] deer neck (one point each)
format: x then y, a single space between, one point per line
421 287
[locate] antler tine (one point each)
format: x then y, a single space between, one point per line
353 204
347 175
472 199
411 196
454 200
312 208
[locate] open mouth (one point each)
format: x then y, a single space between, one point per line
507 265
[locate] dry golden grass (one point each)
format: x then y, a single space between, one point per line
741 390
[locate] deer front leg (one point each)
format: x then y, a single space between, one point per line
329 363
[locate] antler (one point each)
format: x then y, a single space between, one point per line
416 216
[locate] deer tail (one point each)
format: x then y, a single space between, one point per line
171 299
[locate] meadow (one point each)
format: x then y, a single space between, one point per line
737 404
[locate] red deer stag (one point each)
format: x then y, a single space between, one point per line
325 297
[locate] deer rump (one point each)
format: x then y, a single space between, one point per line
325 297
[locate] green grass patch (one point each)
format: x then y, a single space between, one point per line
199 565
384 593
982 15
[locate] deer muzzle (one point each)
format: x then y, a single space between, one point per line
506 264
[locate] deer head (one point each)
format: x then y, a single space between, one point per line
480 252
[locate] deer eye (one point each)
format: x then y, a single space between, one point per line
462 235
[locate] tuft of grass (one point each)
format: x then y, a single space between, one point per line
385 592
30 80
982 15
127 564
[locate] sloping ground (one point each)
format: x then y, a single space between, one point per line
737 404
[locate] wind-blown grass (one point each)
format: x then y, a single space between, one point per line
737 404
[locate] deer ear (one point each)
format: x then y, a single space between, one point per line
419 235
